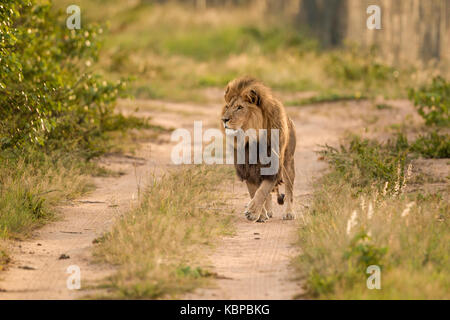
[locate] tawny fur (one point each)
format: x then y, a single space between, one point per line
251 105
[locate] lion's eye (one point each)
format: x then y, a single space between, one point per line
240 107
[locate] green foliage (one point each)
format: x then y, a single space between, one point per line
49 96
432 145
326 98
363 252
217 43
383 106
321 284
433 102
54 112
118 122
360 253
355 64
365 161
4 259
187 271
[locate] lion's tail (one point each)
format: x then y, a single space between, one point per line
280 196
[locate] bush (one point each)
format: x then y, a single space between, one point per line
432 145
356 64
49 96
365 161
433 102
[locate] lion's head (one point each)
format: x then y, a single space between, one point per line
242 109
250 105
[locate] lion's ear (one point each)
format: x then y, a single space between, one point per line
253 97
227 90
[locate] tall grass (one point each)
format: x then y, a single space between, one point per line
29 190
362 215
155 246
31 187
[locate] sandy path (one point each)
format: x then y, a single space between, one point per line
253 264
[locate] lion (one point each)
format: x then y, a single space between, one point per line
249 104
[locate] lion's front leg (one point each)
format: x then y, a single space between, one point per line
256 205
268 206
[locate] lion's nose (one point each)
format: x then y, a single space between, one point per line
225 120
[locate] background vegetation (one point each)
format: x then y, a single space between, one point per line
180 50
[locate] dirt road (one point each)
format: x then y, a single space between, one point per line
253 264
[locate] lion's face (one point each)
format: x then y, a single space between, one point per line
235 115
242 114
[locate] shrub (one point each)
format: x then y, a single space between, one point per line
366 161
49 96
363 252
433 145
356 64
433 102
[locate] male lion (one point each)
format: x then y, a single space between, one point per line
250 105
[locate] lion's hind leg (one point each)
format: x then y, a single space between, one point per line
289 181
268 206
280 196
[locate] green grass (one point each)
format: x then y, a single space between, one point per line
432 145
30 188
4 258
188 51
383 106
326 98
433 102
156 246
362 214
364 162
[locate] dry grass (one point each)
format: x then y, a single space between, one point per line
351 225
29 191
4 257
157 245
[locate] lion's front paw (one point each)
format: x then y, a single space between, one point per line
251 212
252 215
288 216
264 216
